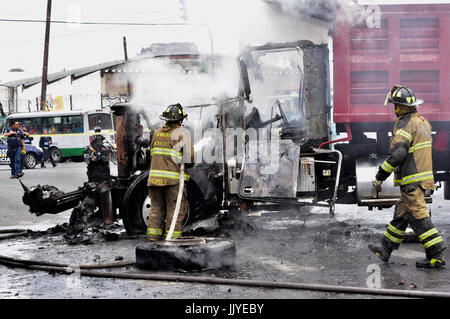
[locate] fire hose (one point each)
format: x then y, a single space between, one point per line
178 204
13 230
23 262
84 271
12 233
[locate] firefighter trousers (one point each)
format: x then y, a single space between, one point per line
411 210
163 202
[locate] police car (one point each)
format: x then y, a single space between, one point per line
32 157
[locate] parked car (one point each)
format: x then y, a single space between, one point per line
31 158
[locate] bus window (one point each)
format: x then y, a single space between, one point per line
26 124
36 126
55 124
77 122
73 124
100 119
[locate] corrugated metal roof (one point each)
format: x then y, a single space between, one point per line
85 71
76 73
26 82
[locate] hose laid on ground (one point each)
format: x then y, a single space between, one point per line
12 233
178 204
7 259
13 230
28 264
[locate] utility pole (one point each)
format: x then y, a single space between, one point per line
45 64
125 53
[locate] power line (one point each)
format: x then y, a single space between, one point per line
145 12
53 37
101 23
67 34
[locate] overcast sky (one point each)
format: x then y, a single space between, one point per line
74 45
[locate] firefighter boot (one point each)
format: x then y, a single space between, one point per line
393 237
434 262
431 241
382 252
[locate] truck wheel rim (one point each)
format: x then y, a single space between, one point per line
146 209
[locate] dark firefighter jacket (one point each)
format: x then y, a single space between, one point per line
170 145
45 141
410 153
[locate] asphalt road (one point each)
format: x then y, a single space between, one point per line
302 247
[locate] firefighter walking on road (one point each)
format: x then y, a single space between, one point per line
410 158
170 146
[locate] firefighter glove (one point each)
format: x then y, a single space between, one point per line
376 187
23 152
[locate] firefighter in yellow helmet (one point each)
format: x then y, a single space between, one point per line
170 145
410 158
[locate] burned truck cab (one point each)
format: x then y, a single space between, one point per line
264 148
285 88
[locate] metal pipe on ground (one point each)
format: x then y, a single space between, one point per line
232 282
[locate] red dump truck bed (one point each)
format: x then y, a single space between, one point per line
411 47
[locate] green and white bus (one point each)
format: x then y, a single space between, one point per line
70 131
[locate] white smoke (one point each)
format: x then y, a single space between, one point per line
160 82
332 10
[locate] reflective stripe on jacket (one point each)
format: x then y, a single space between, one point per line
170 145
410 153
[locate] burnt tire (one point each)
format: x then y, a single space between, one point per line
215 253
131 210
133 202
